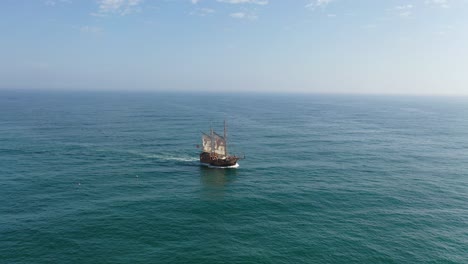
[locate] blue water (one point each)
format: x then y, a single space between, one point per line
113 177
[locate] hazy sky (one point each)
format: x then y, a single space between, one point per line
349 46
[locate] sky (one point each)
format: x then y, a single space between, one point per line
316 46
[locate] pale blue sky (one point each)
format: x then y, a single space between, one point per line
332 46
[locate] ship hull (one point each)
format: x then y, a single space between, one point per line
207 158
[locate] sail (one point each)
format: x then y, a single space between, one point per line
219 145
206 141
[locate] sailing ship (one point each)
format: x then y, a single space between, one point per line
215 150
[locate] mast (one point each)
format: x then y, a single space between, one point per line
225 139
212 140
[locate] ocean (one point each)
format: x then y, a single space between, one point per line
114 177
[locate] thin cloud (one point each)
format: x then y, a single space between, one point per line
121 7
440 3
243 15
318 4
237 15
202 11
257 2
55 2
369 26
91 29
404 10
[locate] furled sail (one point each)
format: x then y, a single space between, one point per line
219 145
206 141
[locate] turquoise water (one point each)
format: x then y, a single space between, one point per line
114 178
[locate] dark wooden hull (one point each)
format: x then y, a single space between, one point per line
206 158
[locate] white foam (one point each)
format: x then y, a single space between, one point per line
220 167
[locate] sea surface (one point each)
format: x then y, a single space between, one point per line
113 177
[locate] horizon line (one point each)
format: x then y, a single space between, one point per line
239 92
